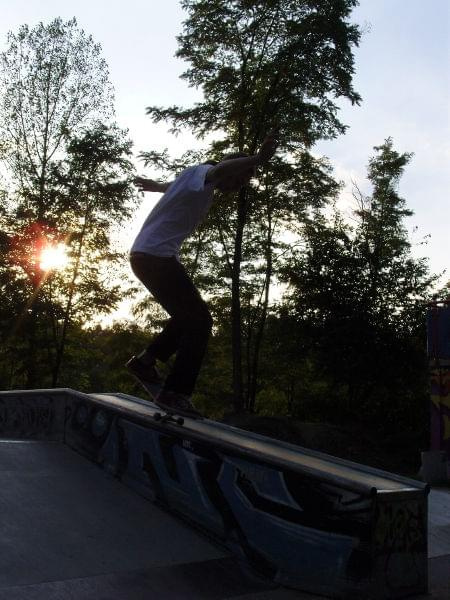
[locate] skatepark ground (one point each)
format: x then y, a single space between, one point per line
69 530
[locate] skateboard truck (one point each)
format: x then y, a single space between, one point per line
166 417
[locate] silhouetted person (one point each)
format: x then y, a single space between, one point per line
154 258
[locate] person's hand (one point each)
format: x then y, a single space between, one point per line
146 185
269 146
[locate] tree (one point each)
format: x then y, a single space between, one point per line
69 177
283 198
53 82
91 193
92 188
359 299
261 64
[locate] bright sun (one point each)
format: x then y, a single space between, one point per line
54 258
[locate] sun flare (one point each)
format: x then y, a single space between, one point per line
54 258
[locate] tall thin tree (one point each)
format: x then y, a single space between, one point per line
261 64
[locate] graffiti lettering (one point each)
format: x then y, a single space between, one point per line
253 474
25 416
400 528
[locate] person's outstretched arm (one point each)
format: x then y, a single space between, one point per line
149 185
237 166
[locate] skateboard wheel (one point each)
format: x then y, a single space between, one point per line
157 416
180 420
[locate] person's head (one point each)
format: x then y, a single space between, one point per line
235 182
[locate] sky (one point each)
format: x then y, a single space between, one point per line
402 72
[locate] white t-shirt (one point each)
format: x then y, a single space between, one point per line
182 207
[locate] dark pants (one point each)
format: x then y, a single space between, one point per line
188 329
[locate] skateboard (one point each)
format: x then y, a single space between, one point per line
162 415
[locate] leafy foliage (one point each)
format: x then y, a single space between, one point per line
359 298
259 65
69 178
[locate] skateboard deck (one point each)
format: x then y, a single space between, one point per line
163 415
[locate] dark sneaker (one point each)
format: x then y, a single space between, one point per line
176 403
147 375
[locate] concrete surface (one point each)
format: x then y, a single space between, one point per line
69 530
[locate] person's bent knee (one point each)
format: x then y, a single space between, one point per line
204 321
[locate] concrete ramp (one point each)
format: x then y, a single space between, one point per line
285 515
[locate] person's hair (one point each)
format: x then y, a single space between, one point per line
226 157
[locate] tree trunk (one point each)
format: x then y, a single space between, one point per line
262 321
68 311
31 369
236 333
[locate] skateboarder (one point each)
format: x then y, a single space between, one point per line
154 259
